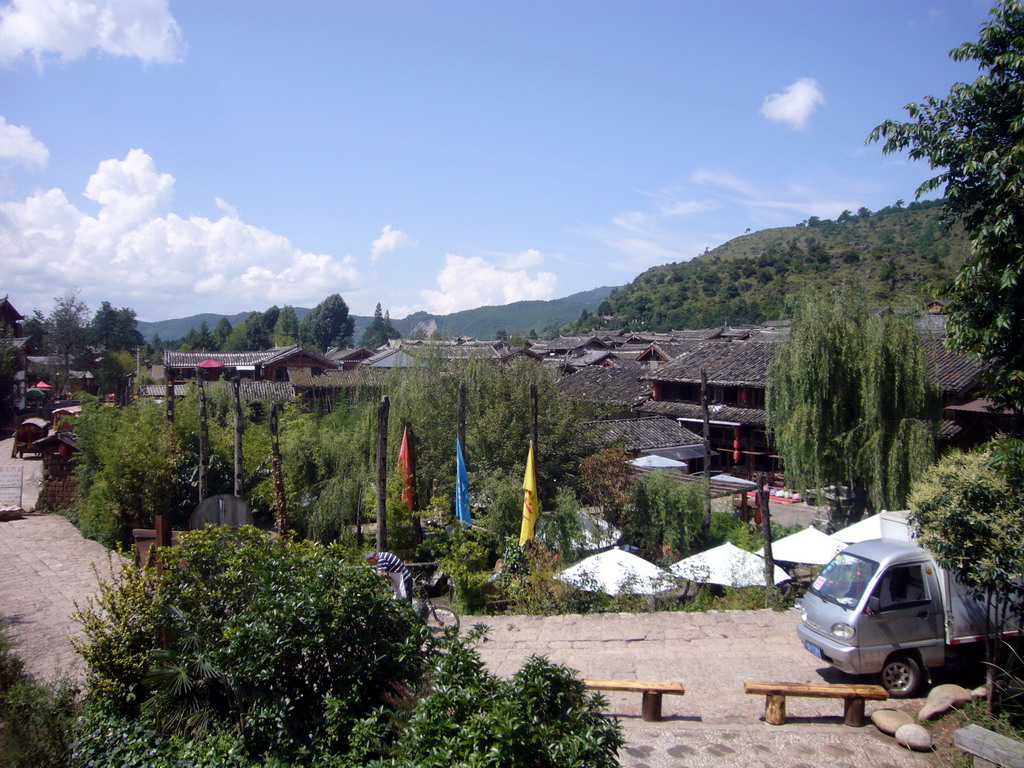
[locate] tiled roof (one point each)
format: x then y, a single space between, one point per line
617 385
644 433
266 391
363 376
955 374
716 413
234 359
735 363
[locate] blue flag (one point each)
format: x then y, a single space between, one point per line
461 485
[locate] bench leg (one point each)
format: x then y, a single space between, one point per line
853 712
650 708
775 709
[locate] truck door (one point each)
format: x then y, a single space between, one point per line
904 611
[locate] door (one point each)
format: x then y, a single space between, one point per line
904 611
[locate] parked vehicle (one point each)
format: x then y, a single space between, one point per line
885 607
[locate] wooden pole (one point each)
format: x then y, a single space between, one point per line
707 452
766 532
382 473
460 417
239 464
533 421
281 522
169 399
204 439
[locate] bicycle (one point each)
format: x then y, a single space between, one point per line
437 617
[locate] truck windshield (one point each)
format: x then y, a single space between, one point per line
844 579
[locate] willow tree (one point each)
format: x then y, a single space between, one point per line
851 401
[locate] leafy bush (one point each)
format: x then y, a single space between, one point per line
542 717
283 640
36 719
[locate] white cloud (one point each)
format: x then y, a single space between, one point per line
795 104
135 252
466 283
69 29
18 145
390 240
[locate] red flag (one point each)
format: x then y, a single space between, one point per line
405 465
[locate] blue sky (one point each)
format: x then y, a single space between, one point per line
197 156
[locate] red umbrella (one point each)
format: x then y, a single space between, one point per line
42 385
210 364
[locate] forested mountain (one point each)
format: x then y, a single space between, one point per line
482 322
899 254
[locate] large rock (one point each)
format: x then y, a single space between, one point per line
942 699
889 720
915 737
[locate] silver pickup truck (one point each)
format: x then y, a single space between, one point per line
884 607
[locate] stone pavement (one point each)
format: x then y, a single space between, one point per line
715 723
46 568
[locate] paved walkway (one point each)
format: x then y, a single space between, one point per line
715 723
46 568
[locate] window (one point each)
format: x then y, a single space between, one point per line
900 586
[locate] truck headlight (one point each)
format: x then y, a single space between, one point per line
842 631
803 615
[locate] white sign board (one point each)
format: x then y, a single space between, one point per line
10 486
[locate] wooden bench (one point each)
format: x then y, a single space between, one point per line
989 748
650 707
853 697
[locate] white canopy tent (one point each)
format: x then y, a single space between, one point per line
727 565
809 546
657 462
616 570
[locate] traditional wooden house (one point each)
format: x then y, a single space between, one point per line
609 388
348 358
652 436
737 373
269 365
12 333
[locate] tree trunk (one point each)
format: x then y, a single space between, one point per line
382 473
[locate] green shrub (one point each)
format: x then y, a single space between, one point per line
281 640
36 719
543 717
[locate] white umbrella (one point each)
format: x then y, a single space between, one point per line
868 528
728 565
809 546
615 571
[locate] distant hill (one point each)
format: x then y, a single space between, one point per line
899 254
483 322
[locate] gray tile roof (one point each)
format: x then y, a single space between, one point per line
693 411
619 385
734 363
644 433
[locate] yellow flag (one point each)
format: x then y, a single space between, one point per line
531 507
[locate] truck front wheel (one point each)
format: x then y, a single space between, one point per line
901 676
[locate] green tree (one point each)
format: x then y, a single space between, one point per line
972 520
67 332
327 325
221 332
850 400
379 331
664 514
286 331
115 329
975 135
